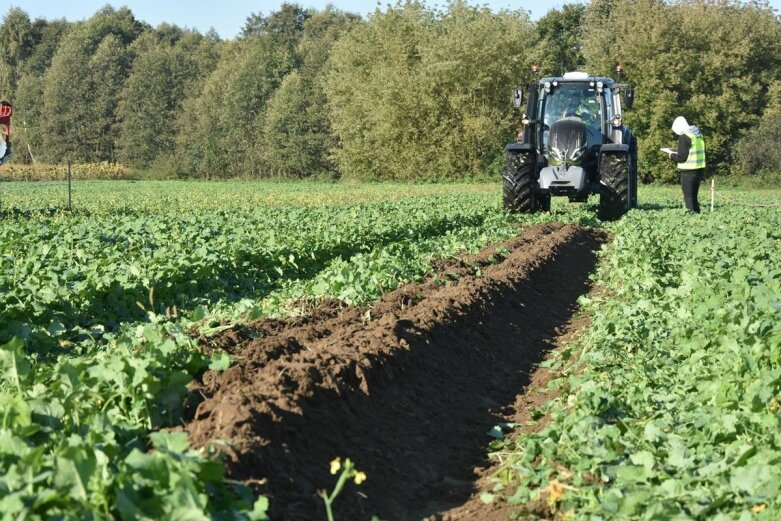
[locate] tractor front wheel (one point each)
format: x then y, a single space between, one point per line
518 184
615 196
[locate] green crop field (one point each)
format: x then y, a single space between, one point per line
675 413
671 403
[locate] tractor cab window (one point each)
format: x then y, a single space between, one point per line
572 100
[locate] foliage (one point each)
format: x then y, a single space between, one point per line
81 88
262 112
98 306
73 442
16 42
284 25
759 150
79 171
297 134
163 75
416 93
226 119
413 92
81 276
561 40
108 68
710 61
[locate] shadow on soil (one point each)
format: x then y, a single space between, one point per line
409 397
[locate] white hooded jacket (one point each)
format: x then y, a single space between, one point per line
682 127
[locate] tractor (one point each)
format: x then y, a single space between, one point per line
574 143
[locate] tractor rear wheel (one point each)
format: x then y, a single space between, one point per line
518 184
614 198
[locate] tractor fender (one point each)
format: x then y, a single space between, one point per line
614 148
626 134
519 148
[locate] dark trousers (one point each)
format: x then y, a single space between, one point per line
690 184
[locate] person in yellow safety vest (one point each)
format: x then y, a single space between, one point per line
690 157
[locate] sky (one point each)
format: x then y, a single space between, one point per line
228 16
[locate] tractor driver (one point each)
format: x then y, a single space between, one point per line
577 106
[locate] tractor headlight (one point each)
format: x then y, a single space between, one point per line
525 119
555 156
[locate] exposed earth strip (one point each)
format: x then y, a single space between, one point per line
407 389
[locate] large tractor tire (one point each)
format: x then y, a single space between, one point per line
518 183
615 196
633 173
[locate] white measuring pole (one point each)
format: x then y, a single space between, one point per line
712 193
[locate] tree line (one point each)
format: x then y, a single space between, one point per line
411 92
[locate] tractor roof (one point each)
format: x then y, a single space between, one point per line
578 77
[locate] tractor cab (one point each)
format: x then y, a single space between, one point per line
574 143
577 115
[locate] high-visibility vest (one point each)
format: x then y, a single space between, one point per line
696 159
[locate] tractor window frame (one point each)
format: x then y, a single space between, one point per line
607 94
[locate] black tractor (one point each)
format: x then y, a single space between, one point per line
574 143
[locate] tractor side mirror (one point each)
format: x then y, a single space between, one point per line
517 97
629 96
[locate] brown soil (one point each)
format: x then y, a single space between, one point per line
407 389
535 394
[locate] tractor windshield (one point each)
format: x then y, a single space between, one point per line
572 100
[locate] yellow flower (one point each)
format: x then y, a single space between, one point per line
555 492
360 477
336 464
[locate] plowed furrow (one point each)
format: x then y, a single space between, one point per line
407 389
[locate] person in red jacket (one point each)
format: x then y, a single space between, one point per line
5 130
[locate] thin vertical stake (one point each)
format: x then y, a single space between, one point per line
712 193
70 207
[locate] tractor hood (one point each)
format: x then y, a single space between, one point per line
567 141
